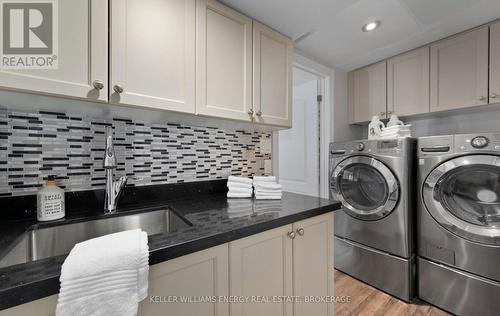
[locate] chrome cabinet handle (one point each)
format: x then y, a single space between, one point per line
259 113
291 235
389 112
98 84
250 112
300 231
382 113
493 95
482 98
118 88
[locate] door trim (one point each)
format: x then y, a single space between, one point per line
326 76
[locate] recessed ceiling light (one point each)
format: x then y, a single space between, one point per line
370 26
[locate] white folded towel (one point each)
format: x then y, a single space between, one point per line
240 180
240 190
257 179
268 186
268 197
239 185
239 195
107 275
268 191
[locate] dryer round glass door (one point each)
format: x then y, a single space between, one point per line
367 189
463 195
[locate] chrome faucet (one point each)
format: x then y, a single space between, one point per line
113 188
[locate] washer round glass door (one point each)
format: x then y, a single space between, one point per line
463 195
367 189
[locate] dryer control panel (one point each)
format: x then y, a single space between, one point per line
453 144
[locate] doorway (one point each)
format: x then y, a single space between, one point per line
299 148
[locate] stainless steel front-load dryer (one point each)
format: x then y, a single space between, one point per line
459 223
373 233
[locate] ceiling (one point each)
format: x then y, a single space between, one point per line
336 39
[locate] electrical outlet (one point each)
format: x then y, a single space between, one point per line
265 145
268 167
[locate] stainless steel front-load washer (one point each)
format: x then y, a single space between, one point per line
373 233
458 221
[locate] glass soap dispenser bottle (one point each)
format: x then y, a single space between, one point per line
50 201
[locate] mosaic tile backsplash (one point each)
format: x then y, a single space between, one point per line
36 145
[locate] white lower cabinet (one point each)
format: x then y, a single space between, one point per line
313 265
201 274
295 260
261 266
43 307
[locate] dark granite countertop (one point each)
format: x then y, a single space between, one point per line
214 222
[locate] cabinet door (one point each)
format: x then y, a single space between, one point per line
261 265
43 307
408 83
368 92
82 55
495 63
153 53
203 273
223 61
313 264
459 71
272 76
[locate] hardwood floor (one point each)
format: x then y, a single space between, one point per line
368 301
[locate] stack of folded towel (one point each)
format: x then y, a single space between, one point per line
239 187
266 188
396 131
105 276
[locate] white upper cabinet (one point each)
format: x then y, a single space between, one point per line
495 63
368 92
272 76
408 83
459 71
223 61
153 54
82 55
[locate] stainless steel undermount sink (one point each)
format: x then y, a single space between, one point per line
40 243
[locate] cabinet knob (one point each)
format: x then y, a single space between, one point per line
291 235
482 98
118 88
259 113
250 112
493 95
389 112
300 231
98 84
382 113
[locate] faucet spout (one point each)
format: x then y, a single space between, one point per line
113 188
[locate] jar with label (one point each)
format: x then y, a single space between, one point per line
50 201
